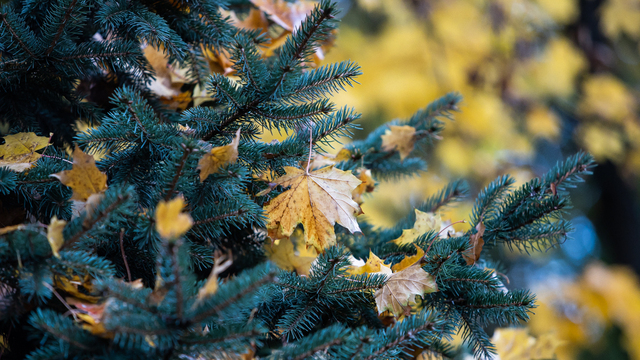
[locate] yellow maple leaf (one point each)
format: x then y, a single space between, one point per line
171 223
401 138
218 157
374 265
84 178
18 153
290 253
409 260
402 287
425 222
367 185
54 235
317 200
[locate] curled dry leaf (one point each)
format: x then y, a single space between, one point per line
84 178
400 138
472 254
317 200
18 153
425 222
402 287
171 223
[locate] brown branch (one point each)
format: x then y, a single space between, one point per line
468 280
318 348
96 56
409 335
232 299
219 217
67 15
15 36
40 181
124 256
55 332
230 337
176 177
292 117
354 289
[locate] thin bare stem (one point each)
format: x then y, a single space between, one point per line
57 158
124 256
73 313
310 150
434 239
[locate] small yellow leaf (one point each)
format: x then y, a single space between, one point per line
218 157
84 178
402 287
54 235
18 153
317 200
401 138
424 223
374 265
343 155
171 223
291 253
409 260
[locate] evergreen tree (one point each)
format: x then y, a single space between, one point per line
126 265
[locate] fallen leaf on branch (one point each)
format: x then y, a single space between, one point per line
54 235
84 178
374 265
171 223
425 222
18 153
409 260
218 157
317 200
400 138
472 254
291 253
402 287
